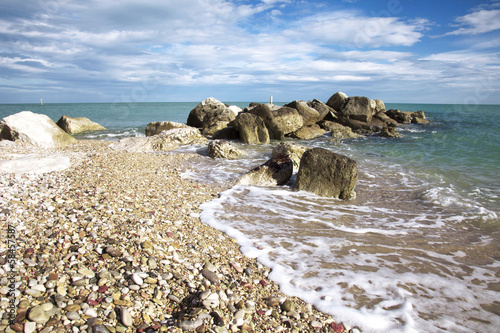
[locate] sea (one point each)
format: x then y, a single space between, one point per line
418 250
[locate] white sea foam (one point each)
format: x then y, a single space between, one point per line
357 255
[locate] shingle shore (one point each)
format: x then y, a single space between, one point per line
115 244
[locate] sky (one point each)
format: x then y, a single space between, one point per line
400 51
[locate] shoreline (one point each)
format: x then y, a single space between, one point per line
115 243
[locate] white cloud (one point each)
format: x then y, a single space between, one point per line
478 22
350 29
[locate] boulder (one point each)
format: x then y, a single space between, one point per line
265 111
390 132
228 133
35 129
362 127
337 101
196 116
157 127
308 114
276 171
359 108
210 131
386 119
185 136
379 106
401 117
78 125
286 120
251 128
236 110
308 132
338 131
165 141
223 149
295 151
328 174
145 144
216 116
419 118
322 108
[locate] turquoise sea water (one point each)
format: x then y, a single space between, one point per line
417 251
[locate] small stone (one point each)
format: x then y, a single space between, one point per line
29 327
47 306
37 315
316 324
86 272
73 307
152 263
99 329
16 327
287 306
191 325
79 282
137 279
113 252
72 315
90 312
53 277
237 267
150 280
272 301
210 276
147 245
212 301
125 317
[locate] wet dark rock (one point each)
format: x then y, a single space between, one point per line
328 174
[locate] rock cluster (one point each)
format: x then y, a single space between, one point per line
114 244
344 117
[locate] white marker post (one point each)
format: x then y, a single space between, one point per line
271 99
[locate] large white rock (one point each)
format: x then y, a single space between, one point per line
35 129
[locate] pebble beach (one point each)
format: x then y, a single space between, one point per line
114 243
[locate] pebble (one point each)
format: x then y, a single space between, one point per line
210 276
137 279
72 315
29 327
125 317
124 237
90 312
38 315
191 325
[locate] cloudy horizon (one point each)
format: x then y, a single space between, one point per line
150 51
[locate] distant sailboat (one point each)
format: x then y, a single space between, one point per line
41 102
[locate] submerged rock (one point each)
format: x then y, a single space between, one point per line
328 174
223 149
78 125
276 171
